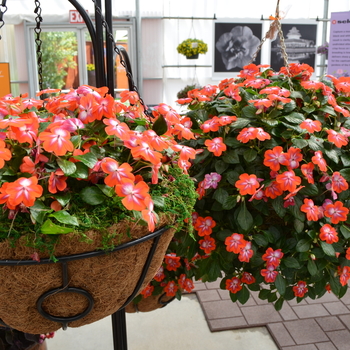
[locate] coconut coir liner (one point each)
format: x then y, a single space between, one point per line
150 303
110 279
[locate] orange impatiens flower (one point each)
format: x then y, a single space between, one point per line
339 184
115 127
145 151
273 257
57 181
319 160
337 212
57 141
311 125
288 181
293 157
247 134
235 243
246 252
247 184
147 291
172 262
24 190
234 285
273 190
300 289
207 244
170 289
134 195
338 139
344 274
116 173
274 158
310 209
5 154
216 146
307 170
149 215
328 234
204 226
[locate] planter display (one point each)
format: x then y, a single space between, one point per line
193 57
110 279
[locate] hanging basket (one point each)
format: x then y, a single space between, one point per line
77 290
193 57
150 303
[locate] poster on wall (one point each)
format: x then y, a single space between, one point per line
300 42
5 84
234 46
339 45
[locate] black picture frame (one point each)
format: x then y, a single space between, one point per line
235 43
300 41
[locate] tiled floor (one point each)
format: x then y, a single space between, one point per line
322 324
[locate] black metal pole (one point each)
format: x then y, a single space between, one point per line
109 47
100 52
119 330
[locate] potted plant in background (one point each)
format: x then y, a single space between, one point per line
79 172
272 171
191 48
91 74
183 93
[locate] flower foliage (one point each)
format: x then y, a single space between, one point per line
272 171
83 153
191 47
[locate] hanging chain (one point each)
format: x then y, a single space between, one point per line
275 26
38 41
117 51
3 9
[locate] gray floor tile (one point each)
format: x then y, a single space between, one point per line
326 346
208 295
227 323
336 308
306 331
307 311
301 347
280 334
221 309
341 339
330 323
260 314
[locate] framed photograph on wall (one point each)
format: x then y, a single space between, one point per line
235 43
300 41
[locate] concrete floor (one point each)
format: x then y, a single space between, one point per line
180 325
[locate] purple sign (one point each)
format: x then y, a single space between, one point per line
339 45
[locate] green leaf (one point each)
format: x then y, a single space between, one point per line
250 155
160 126
66 166
291 262
316 144
296 94
159 201
92 195
288 107
300 143
223 234
43 126
76 139
298 225
278 304
243 295
295 118
88 159
332 154
345 173
221 166
329 110
38 211
345 231
233 297
309 190
64 217
303 245
49 228
309 109
240 123
81 172
231 157
249 111
272 297
280 284
335 284
327 248
264 294
345 158
108 191
63 199
220 195
312 268
244 218
260 240
277 205
229 203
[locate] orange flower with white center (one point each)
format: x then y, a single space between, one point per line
216 146
5 153
134 195
247 184
57 141
24 190
116 173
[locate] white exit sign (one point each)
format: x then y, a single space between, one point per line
75 17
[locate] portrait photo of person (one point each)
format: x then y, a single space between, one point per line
235 45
